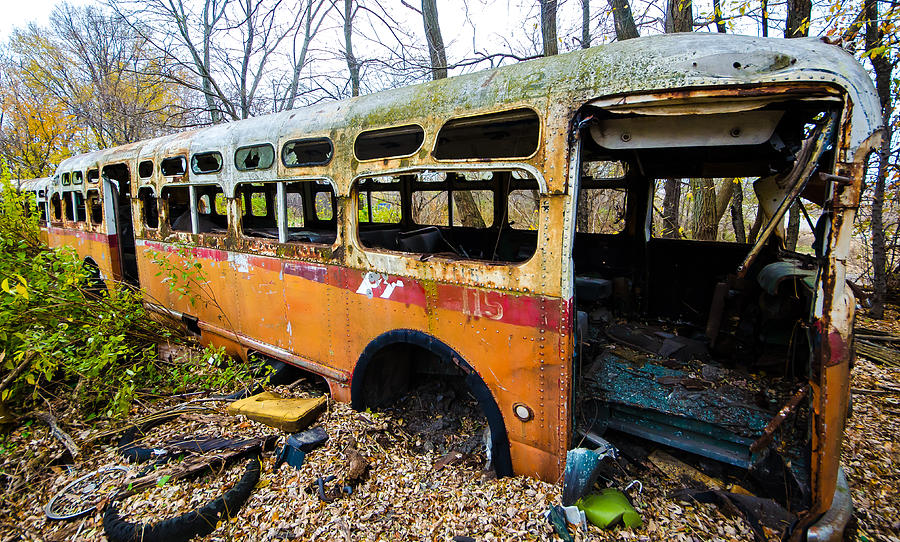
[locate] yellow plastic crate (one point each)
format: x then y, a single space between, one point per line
289 415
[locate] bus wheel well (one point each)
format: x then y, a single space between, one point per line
388 364
95 282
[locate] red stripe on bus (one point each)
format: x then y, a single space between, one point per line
516 309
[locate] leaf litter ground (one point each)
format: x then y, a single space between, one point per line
414 490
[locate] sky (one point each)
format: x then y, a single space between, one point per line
22 12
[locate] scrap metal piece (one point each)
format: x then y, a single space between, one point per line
81 496
582 470
786 410
831 526
795 181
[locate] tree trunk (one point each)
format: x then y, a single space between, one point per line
797 23
435 40
310 11
585 24
737 214
765 18
352 64
703 220
623 19
467 210
205 69
717 13
757 224
548 26
883 79
793 227
679 16
670 209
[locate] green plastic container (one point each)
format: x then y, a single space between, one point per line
607 508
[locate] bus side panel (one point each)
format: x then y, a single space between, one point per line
207 293
512 341
102 248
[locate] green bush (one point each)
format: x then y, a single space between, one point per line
61 336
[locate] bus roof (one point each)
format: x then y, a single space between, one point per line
648 64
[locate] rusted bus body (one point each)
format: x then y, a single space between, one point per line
339 303
38 188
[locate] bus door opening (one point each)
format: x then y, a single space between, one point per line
117 183
694 298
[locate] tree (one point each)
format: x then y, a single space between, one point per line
435 40
313 15
883 67
352 64
548 27
679 16
100 70
671 199
797 23
226 49
623 20
585 24
36 130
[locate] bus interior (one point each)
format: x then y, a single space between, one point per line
693 320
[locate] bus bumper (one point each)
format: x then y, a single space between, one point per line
830 526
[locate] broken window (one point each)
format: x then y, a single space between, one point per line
206 162
254 157
309 212
389 142
56 207
173 166
429 207
453 213
522 209
212 210
69 206
307 152
42 209
601 198
149 207
178 204
145 169
93 176
510 134
95 206
379 201
258 209
80 208
77 178
66 179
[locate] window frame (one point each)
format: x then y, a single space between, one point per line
307 140
258 145
280 208
537 148
194 160
388 129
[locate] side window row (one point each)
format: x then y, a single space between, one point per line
509 134
74 207
286 211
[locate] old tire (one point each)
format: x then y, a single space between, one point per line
199 522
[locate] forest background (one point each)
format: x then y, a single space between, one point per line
110 72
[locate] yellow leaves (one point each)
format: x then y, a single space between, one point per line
17 289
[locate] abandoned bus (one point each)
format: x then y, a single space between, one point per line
522 229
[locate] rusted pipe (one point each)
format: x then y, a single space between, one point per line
799 176
772 426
